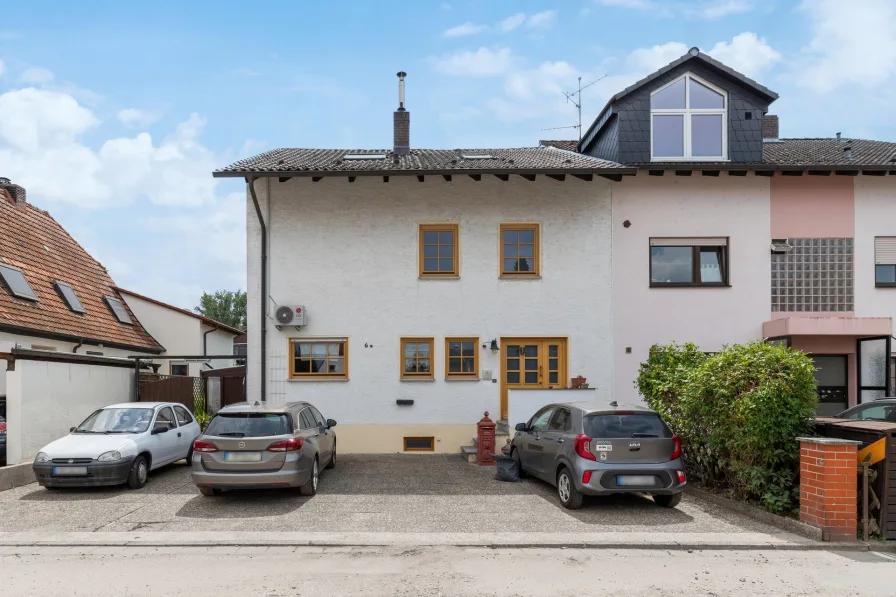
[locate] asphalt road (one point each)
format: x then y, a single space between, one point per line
445 571
402 494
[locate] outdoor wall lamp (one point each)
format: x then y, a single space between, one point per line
493 345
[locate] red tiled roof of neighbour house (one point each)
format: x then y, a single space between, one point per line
207 321
31 240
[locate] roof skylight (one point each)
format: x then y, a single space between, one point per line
364 156
68 293
120 312
476 156
16 283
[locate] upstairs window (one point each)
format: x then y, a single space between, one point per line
71 299
16 283
885 261
120 312
438 250
688 121
688 261
519 249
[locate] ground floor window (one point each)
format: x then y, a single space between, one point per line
419 444
417 358
461 358
180 369
318 358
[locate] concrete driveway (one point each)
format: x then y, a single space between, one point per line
398 494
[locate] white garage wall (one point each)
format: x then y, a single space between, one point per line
45 399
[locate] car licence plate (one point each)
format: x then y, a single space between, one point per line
627 480
242 456
69 471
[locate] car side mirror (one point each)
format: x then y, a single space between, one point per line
331 423
71 429
159 429
520 427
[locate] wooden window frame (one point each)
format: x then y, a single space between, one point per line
695 265
462 375
317 376
432 443
445 227
535 227
432 358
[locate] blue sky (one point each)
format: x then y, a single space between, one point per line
113 114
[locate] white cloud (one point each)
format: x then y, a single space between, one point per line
542 20
747 53
464 30
852 44
135 117
36 76
723 8
2 68
633 4
513 21
650 59
707 9
481 63
33 119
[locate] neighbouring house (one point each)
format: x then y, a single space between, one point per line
405 291
240 349
183 333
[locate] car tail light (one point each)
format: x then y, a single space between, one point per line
582 446
2 428
204 446
682 478
676 448
290 445
586 477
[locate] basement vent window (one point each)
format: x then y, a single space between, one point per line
476 156
16 283
71 299
120 312
364 156
419 444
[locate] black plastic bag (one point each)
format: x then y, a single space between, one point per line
507 469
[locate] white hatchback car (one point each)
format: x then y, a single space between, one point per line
118 444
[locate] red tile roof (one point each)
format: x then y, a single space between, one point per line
31 240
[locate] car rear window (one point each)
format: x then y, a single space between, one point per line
249 424
626 425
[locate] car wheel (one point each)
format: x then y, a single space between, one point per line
332 463
310 488
570 497
667 501
209 491
515 455
189 457
138 474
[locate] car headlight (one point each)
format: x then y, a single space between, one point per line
42 457
109 457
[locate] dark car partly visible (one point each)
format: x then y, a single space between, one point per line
877 410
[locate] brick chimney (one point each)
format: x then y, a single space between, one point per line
401 122
16 193
770 126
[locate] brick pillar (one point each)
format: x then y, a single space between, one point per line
828 486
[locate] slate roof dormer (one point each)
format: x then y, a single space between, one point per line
622 131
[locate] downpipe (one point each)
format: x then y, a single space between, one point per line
264 285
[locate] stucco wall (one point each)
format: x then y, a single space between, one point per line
812 207
219 342
875 216
348 252
736 207
45 399
178 333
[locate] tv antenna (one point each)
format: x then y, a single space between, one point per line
576 98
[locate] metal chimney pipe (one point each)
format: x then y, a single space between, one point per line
838 136
401 76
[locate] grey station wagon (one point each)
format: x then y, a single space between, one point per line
260 445
584 449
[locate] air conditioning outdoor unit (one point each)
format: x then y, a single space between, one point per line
290 315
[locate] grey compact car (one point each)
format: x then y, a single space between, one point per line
261 445
585 449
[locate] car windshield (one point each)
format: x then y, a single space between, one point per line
249 425
625 425
117 420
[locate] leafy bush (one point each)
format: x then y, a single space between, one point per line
738 414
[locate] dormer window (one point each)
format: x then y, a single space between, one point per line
688 121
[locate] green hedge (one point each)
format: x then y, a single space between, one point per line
738 414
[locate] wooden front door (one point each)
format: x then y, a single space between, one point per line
531 363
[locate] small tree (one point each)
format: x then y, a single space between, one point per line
225 306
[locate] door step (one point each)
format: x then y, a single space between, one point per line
471 452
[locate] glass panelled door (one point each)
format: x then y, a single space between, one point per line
532 363
874 368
